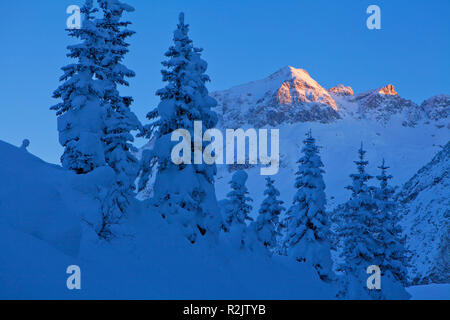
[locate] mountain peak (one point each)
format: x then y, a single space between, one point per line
298 72
297 86
384 102
289 72
388 90
288 95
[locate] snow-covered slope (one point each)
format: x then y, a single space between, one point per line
437 108
430 292
44 228
341 90
425 200
44 211
291 95
29 185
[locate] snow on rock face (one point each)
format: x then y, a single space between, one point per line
425 210
383 103
437 107
43 230
300 87
341 90
289 95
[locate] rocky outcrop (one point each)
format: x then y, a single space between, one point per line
388 90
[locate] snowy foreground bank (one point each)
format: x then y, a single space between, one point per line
44 228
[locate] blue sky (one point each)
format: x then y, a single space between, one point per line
243 40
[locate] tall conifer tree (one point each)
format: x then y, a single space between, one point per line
307 234
80 114
184 193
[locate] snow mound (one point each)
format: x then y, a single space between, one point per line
29 185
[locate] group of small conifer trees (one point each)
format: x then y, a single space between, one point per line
366 226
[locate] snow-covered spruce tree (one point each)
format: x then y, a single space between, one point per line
390 239
80 115
356 231
267 222
119 120
307 225
184 193
237 208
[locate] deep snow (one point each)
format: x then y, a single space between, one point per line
43 230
